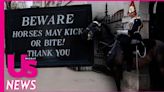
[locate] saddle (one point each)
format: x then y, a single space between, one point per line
135 41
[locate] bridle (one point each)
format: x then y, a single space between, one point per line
90 33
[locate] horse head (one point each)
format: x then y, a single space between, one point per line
99 30
92 30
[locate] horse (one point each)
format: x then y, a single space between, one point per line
115 53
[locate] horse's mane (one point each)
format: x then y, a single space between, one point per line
107 35
108 30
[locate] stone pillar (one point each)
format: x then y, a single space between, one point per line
144 14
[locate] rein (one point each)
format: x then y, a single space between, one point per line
138 52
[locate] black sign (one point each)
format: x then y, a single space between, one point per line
51 35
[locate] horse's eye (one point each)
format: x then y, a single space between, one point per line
87 28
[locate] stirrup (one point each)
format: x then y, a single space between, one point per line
138 52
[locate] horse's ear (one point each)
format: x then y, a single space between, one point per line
98 18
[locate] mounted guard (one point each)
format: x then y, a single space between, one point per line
135 24
135 42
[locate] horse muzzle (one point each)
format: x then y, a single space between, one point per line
90 35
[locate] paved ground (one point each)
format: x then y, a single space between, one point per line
64 79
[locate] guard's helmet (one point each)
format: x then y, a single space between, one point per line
132 9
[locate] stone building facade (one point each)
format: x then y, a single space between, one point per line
114 7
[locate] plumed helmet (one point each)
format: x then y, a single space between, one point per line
132 8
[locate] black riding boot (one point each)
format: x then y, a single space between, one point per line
129 58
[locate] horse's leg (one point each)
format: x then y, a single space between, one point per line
154 75
118 68
156 78
117 74
155 66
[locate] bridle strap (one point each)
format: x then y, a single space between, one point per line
96 22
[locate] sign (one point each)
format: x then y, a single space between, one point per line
51 35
